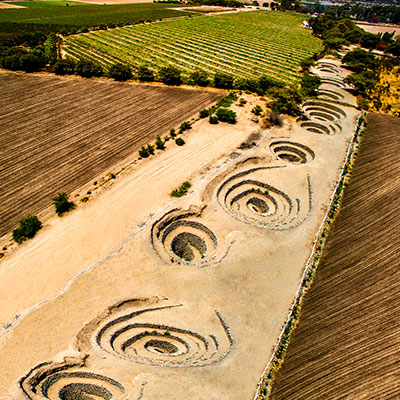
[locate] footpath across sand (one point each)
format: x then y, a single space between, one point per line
181 300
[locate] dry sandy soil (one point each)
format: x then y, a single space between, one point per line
347 343
377 28
59 133
136 294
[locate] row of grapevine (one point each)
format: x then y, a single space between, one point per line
245 44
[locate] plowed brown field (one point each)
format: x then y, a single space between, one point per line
348 339
57 134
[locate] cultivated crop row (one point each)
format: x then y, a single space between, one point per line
244 44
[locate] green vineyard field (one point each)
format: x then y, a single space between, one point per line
245 44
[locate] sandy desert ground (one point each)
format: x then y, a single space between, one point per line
137 295
379 28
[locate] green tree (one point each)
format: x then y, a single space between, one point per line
223 81
64 66
88 69
199 78
170 75
225 115
62 204
50 46
310 84
179 141
26 229
120 72
213 120
143 152
144 73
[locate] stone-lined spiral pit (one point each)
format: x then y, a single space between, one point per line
181 239
317 127
323 110
330 94
162 344
292 152
328 67
262 205
333 82
62 382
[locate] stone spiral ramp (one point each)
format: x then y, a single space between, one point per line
348 339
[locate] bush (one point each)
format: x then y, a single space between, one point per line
160 144
31 63
179 141
61 203
199 78
204 113
120 72
242 102
223 81
286 101
228 100
170 75
150 149
26 229
88 69
213 119
143 152
225 115
182 190
185 126
257 110
144 73
172 132
64 66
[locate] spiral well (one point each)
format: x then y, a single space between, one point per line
129 337
66 381
292 152
178 237
260 204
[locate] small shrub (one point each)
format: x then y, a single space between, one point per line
150 149
182 190
64 66
204 113
84 199
185 126
225 115
160 144
213 119
228 100
172 132
26 229
223 81
61 203
242 102
257 110
111 175
179 141
143 152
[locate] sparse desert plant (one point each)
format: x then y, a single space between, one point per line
242 102
257 110
172 132
179 141
225 115
160 144
143 152
213 120
62 204
26 229
150 149
185 126
228 100
182 190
